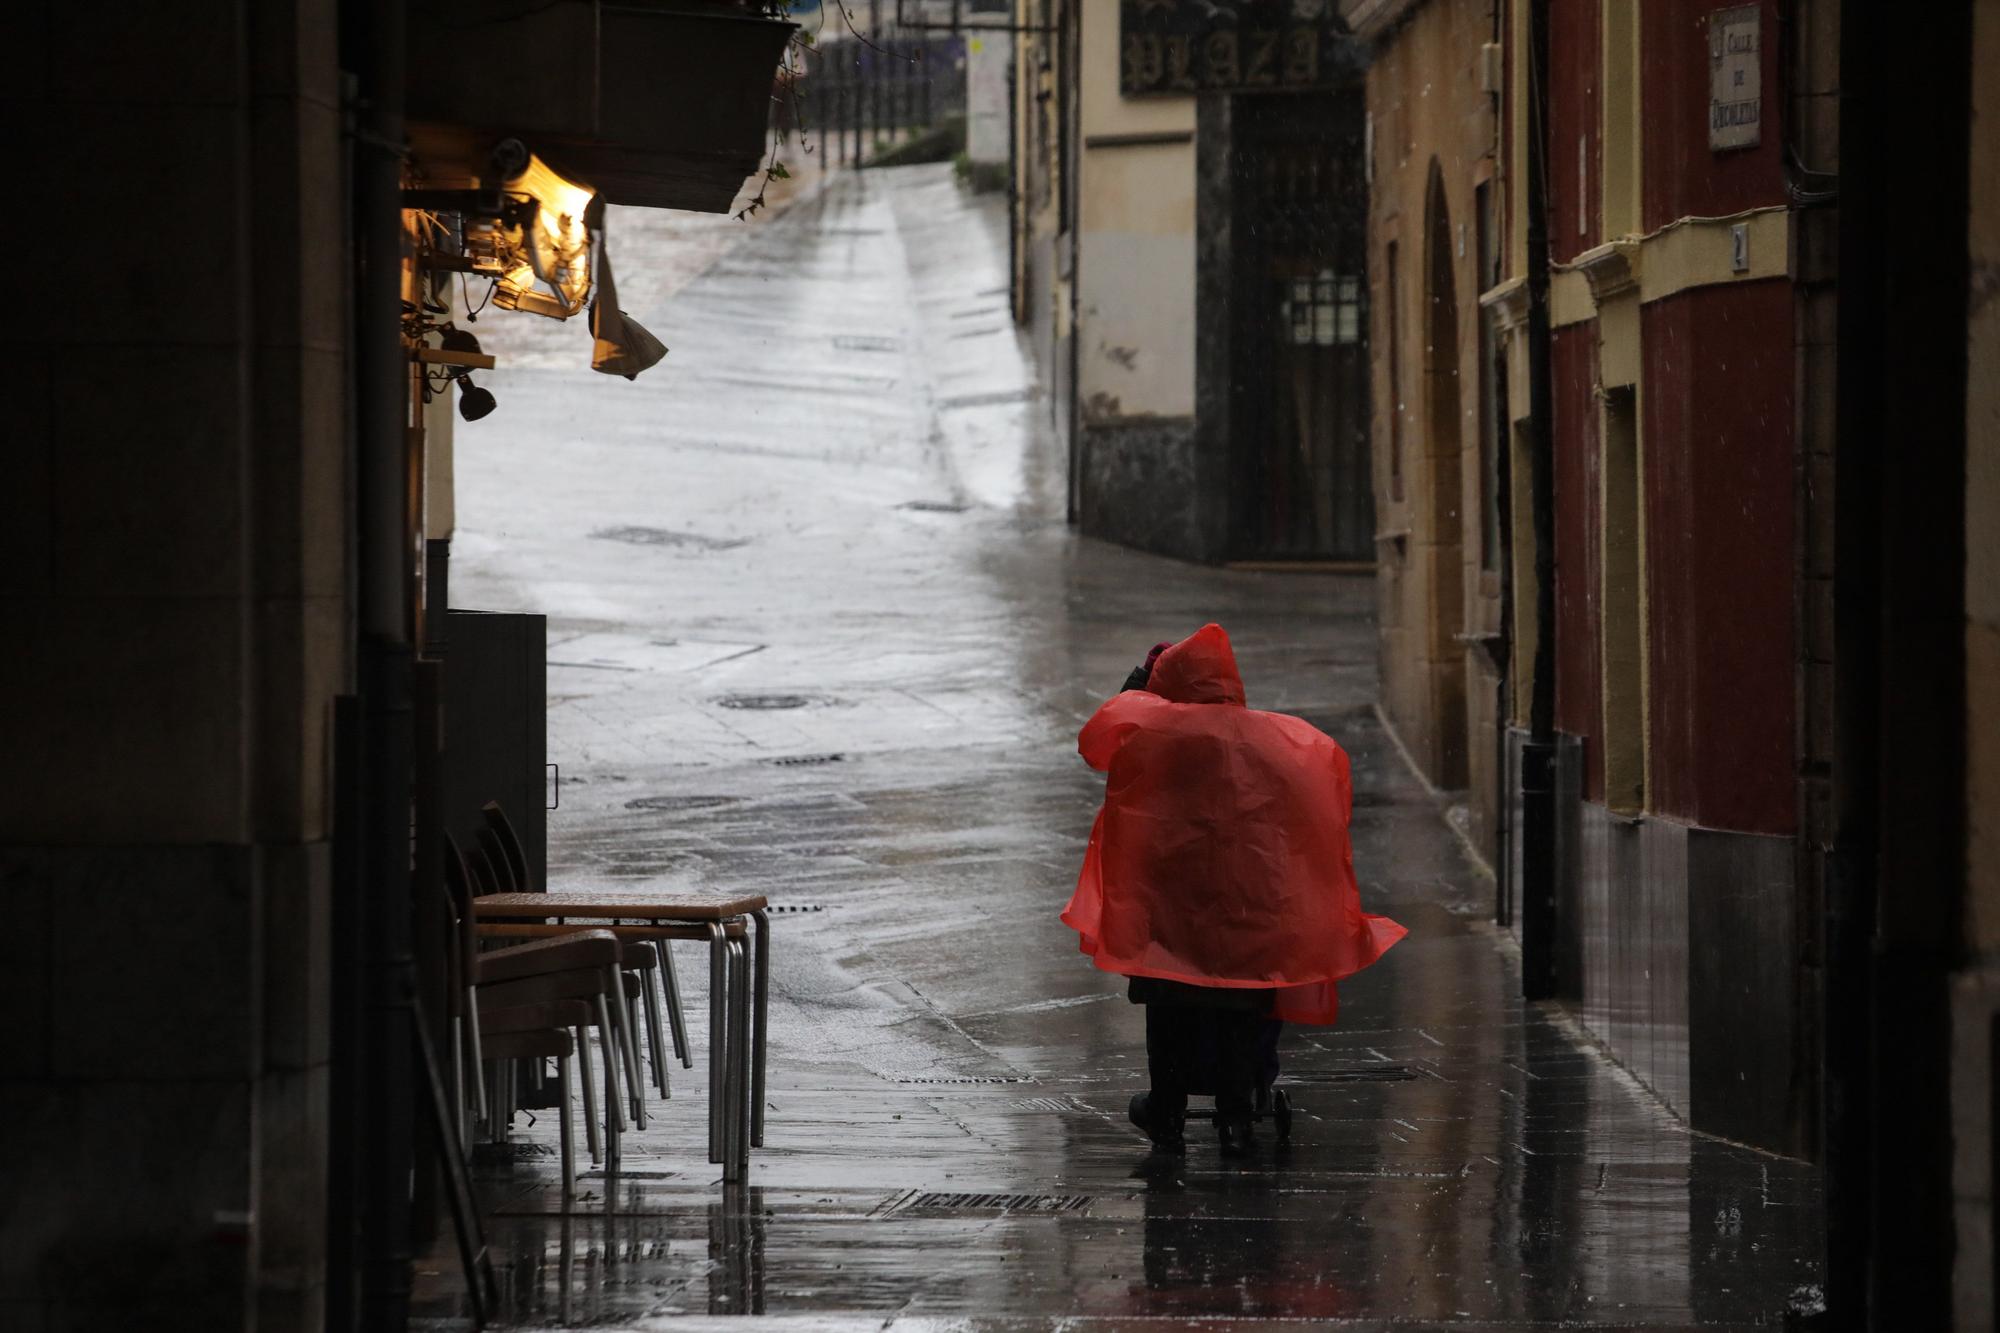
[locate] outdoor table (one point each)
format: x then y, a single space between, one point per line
729 1034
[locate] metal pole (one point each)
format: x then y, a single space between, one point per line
1539 868
370 1215
874 57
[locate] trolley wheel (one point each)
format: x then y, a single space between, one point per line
1281 1112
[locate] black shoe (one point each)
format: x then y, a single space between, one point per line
1168 1133
1232 1136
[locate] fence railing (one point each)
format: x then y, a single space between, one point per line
858 97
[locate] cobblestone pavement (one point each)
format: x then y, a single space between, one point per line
818 630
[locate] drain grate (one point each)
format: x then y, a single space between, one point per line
1048 1104
804 760
484 1153
626 1173
765 702
1351 1074
672 803
935 506
966 1079
793 909
693 541
865 342
940 1201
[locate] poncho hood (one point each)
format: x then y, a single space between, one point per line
1200 669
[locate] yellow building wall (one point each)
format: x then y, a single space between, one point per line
1136 250
1425 105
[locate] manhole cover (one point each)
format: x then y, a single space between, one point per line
803 760
1354 1074
665 537
670 803
934 506
863 342
765 702
938 1201
986 399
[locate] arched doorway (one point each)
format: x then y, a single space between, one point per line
1439 516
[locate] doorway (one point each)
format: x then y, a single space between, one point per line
1301 487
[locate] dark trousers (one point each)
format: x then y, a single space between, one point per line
1198 1050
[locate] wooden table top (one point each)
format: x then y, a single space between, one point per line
625 906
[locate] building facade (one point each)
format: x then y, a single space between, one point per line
1440 398
1191 269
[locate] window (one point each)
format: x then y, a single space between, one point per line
1323 310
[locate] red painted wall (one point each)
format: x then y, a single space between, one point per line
1716 431
1573 366
1683 177
1576 70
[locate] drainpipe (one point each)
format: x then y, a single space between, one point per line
373 1075
1539 979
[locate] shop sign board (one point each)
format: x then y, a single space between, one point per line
1194 46
1735 77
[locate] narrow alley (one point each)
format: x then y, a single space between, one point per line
818 630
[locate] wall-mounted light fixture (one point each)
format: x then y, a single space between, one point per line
551 248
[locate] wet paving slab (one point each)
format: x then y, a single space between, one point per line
885 576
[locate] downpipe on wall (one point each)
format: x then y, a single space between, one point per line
373 1075
1539 979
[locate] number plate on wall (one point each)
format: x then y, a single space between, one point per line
1192 46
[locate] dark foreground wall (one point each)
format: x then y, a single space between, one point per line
173 581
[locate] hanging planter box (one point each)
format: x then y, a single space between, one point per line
660 103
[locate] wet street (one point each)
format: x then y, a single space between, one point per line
818 630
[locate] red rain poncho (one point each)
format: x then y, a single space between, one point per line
1221 856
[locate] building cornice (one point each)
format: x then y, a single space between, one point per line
1508 302
1611 269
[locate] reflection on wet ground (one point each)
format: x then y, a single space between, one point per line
947 1140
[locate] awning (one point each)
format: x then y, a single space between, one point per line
659 103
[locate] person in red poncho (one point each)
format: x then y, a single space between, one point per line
1219 878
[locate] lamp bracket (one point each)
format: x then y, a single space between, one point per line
472 203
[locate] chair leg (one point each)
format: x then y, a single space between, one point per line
589 1094
565 1122
478 1056
614 1114
656 1038
458 1081
739 1050
607 1046
761 1037
718 946
670 985
629 1053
